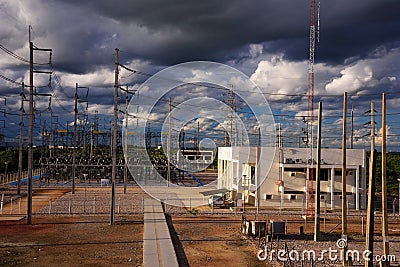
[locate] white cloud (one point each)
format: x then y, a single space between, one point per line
367 73
280 76
352 78
255 50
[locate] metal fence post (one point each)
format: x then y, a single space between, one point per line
94 204
84 205
1 204
11 206
142 204
118 205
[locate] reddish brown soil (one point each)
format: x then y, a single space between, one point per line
208 243
72 241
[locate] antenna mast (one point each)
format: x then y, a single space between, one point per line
310 159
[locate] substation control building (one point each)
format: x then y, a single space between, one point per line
287 182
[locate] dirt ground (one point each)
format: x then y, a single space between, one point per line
200 240
214 242
72 241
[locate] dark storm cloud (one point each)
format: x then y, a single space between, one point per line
358 49
218 30
178 31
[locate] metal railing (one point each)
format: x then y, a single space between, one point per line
13 177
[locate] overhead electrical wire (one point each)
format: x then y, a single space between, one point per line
10 80
19 57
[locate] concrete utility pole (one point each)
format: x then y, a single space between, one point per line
344 180
114 140
20 146
280 161
126 137
169 143
385 233
51 131
258 171
369 238
318 178
30 129
74 140
30 135
352 129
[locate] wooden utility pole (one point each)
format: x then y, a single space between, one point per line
20 146
318 178
344 180
114 141
369 238
385 233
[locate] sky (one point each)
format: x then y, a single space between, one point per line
358 53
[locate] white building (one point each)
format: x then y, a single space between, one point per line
285 184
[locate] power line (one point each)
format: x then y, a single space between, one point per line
10 80
9 52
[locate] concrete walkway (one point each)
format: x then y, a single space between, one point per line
158 249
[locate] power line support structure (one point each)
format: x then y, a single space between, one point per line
20 145
369 238
385 231
169 142
318 178
30 129
344 176
126 138
30 135
74 139
114 141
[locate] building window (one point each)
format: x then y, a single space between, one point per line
268 197
324 175
338 172
293 197
322 197
253 174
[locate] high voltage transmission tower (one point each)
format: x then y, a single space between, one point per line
231 140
